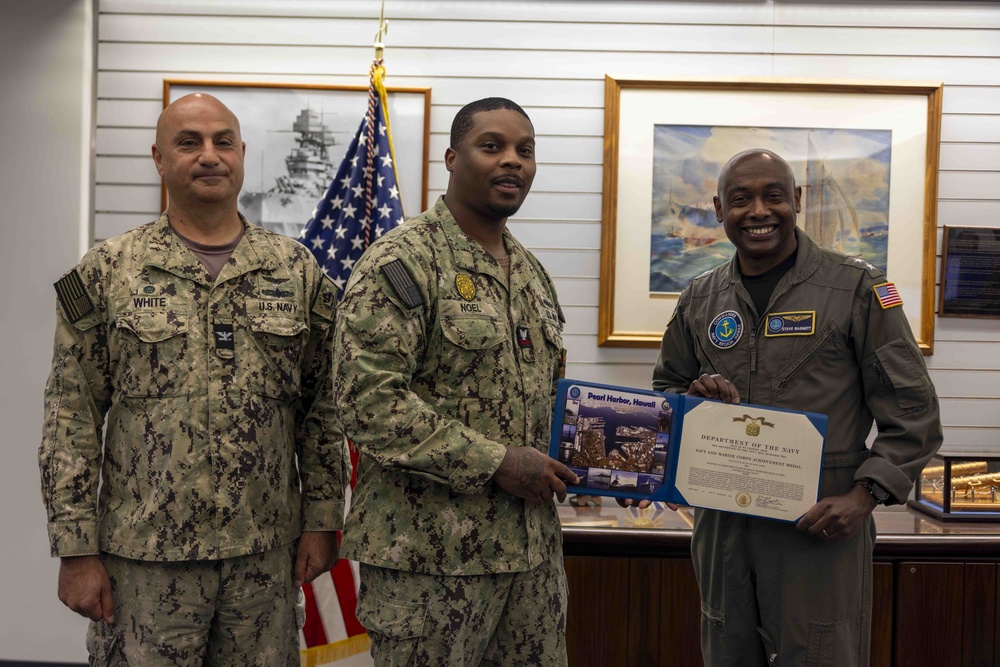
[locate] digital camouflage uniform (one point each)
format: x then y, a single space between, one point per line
770 593
220 436
434 379
247 597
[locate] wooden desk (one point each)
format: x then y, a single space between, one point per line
634 600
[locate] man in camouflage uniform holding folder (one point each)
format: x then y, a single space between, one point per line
202 344
448 348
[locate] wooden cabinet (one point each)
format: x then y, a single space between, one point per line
598 618
645 612
882 587
634 601
946 614
648 614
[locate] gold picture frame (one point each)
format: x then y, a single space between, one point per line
630 313
268 113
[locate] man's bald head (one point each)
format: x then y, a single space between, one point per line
753 152
189 105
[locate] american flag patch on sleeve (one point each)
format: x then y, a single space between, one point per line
402 282
73 296
887 295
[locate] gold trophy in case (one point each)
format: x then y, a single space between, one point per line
960 487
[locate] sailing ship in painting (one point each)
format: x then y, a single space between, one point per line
831 219
687 240
289 204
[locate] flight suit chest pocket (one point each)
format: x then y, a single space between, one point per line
153 353
274 359
818 356
473 355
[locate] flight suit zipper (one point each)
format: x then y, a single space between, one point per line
753 356
878 372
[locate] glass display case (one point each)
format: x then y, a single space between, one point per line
960 487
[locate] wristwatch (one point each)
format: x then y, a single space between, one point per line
877 490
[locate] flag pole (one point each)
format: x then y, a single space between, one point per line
376 86
363 200
383 29
377 81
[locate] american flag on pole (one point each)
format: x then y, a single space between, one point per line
361 204
332 631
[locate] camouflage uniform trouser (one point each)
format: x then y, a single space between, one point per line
236 611
420 620
773 596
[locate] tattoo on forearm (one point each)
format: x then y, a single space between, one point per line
527 470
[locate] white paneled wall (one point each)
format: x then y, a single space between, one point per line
551 57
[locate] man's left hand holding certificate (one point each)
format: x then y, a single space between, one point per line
642 444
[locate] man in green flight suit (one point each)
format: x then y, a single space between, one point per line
788 324
191 376
448 348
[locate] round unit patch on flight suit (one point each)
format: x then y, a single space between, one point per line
726 329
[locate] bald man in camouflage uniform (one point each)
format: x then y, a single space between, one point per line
202 344
448 348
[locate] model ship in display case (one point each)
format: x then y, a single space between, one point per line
960 487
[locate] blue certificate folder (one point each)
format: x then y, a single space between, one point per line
625 443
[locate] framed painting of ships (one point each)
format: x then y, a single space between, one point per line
297 135
864 152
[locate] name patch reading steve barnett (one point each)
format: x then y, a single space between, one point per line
791 324
726 329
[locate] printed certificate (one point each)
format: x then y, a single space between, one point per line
635 443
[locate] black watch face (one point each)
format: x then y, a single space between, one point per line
881 495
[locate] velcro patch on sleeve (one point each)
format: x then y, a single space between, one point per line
887 295
326 300
402 283
73 297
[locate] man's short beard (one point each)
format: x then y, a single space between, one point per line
502 210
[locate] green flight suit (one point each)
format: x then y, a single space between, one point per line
826 344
